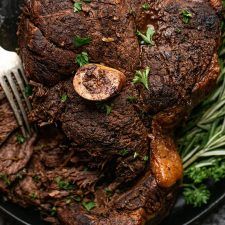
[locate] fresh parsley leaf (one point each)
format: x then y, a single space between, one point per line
64 97
186 16
123 152
20 139
87 1
77 7
77 198
197 175
108 192
218 171
196 196
79 41
53 211
88 205
107 109
146 6
28 90
148 37
141 76
64 185
82 59
145 158
33 196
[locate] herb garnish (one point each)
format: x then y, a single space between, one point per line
145 158
53 211
64 185
186 15
88 205
20 138
146 6
28 90
77 7
82 59
106 108
196 196
148 37
108 192
33 196
141 76
64 97
80 41
123 152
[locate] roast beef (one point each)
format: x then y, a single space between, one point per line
115 161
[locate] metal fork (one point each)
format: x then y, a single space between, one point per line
14 83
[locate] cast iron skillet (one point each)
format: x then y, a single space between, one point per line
180 215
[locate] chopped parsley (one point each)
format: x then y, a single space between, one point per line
77 7
141 76
148 37
145 158
146 6
88 205
108 192
80 41
20 138
64 97
63 185
123 152
77 198
186 16
82 59
33 196
28 90
53 211
107 109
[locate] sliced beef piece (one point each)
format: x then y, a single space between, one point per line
133 207
7 122
14 156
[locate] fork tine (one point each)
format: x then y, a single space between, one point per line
13 105
19 101
20 78
23 75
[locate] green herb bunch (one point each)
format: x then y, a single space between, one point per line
202 144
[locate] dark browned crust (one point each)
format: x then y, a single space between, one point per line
184 69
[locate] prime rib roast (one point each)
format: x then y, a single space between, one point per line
111 160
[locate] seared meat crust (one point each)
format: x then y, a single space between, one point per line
120 153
